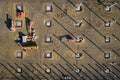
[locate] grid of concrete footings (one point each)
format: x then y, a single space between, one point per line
59 39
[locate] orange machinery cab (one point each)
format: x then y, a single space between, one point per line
20 14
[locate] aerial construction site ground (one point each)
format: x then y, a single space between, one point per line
98 60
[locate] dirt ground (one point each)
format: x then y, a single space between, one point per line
92 63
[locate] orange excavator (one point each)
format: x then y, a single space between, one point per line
20 12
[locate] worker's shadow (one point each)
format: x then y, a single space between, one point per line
8 21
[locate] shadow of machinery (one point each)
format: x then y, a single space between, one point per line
68 37
19 38
8 21
27 20
100 1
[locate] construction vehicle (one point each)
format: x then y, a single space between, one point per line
70 39
28 41
19 11
66 37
